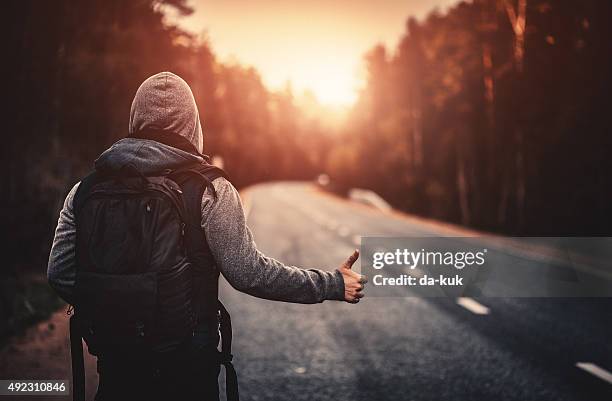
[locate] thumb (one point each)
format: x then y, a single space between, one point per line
351 259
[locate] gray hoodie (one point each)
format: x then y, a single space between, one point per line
165 102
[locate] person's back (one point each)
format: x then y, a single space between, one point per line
165 140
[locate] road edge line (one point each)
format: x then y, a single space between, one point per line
595 370
473 306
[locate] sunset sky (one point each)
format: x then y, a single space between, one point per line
317 45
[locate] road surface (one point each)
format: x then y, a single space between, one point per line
400 348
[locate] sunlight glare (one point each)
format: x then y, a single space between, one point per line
333 84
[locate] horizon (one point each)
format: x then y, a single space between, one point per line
326 62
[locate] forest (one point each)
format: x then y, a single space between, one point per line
492 114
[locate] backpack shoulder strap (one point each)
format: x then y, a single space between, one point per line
77 361
207 173
76 338
84 188
193 181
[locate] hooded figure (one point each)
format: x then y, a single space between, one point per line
164 103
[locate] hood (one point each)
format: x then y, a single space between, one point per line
164 102
149 157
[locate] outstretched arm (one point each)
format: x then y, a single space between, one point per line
250 271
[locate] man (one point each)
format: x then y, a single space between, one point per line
165 135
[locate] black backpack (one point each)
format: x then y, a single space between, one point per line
145 276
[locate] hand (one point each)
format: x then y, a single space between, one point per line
353 282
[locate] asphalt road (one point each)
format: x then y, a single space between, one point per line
402 348
395 348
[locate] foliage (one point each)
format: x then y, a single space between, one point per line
73 70
485 115
491 116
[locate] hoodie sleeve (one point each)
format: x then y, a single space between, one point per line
61 270
246 268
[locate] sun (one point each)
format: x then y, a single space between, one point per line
334 89
333 84
331 78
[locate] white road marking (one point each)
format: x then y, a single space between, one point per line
595 371
473 306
